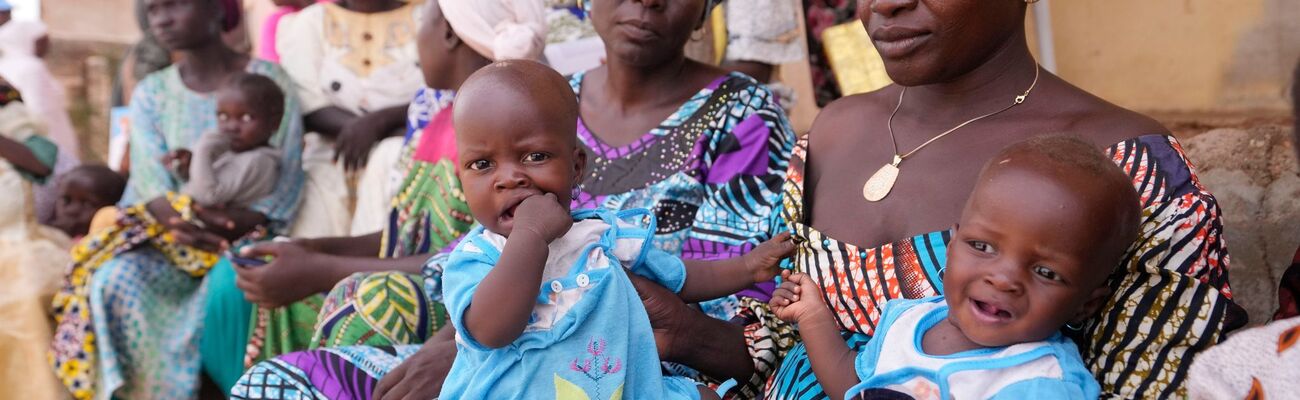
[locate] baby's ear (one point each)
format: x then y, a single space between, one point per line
1095 301
579 164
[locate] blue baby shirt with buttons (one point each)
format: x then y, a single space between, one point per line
589 336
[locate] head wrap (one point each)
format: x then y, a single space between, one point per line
5 6
18 38
230 15
499 29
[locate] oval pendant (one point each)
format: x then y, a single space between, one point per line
880 183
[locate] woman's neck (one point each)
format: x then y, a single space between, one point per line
203 67
633 86
466 62
1005 75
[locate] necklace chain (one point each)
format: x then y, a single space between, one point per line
898 158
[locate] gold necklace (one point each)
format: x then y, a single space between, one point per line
880 183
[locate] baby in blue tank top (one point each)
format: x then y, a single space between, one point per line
540 295
1049 220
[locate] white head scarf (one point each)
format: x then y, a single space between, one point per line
18 38
499 29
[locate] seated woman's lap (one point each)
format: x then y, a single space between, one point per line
225 327
341 372
148 315
378 309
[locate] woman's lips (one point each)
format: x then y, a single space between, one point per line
894 42
636 31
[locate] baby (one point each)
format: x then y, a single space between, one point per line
83 192
235 166
539 295
1048 221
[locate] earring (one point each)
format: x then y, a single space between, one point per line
1074 326
1031 1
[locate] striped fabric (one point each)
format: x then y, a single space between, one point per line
1171 299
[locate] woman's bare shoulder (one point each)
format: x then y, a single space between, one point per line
1103 122
848 115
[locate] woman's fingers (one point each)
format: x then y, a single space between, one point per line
244 281
213 217
390 382
190 235
261 250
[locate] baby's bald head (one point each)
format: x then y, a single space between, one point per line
1078 168
519 89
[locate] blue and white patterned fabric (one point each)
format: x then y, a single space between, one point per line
588 336
894 360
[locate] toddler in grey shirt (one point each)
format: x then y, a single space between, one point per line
236 165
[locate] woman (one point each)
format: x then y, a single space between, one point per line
355 67
32 256
711 159
21 45
965 64
136 334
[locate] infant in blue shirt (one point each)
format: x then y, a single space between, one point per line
539 295
1049 220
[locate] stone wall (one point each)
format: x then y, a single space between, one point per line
1249 164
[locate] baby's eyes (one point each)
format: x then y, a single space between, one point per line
536 157
242 118
479 165
979 246
1047 273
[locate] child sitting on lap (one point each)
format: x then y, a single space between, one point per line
235 166
1047 223
539 295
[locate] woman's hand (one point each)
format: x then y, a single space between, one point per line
687 336
764 262
231 223
422 375
359 135
293 274
798 300
185 233
355 141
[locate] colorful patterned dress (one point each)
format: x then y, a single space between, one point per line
1171 302
136 334
711 173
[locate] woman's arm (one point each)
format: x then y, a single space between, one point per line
296 272
23 158
360 135
328 121
149 179
281 206
687 336
351 246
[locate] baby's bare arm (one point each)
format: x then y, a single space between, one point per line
798 300
708 280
